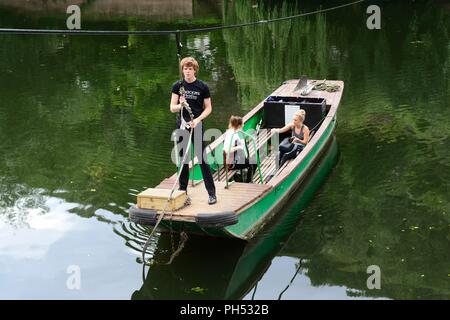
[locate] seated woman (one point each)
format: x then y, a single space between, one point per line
235 149
291 147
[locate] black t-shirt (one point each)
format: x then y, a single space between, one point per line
195 94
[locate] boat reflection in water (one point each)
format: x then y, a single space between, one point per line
220 268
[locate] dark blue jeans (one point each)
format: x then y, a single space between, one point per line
289 153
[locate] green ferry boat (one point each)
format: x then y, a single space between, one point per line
242 208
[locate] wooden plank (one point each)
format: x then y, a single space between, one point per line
256 176
270 169
158 193
156 198
220 174
231 199
166 183
267 163
261 143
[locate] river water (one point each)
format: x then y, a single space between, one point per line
85 126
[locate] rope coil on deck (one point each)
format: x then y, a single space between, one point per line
327 87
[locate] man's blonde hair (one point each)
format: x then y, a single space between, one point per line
189 62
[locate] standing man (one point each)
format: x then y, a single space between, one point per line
196 93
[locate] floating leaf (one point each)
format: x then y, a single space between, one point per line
198 290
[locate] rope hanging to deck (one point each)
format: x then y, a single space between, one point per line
169 32
160 218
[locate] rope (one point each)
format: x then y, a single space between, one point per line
144 249
327 87
181 243
254 291
168 32
315 127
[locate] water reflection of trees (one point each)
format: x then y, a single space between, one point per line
264 56
72 97
85 115
387 203
89 115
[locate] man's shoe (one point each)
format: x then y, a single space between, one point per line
212 200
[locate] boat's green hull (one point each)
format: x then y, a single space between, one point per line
255 216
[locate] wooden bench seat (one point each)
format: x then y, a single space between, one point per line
219 174
261 141
268 166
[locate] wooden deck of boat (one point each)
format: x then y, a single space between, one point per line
332 98
236 197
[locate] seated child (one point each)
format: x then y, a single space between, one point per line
235 148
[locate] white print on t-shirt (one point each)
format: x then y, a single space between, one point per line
192 95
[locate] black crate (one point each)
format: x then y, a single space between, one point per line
315 109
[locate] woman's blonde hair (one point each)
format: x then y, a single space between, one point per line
301 114
189 62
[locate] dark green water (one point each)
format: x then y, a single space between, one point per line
84 126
